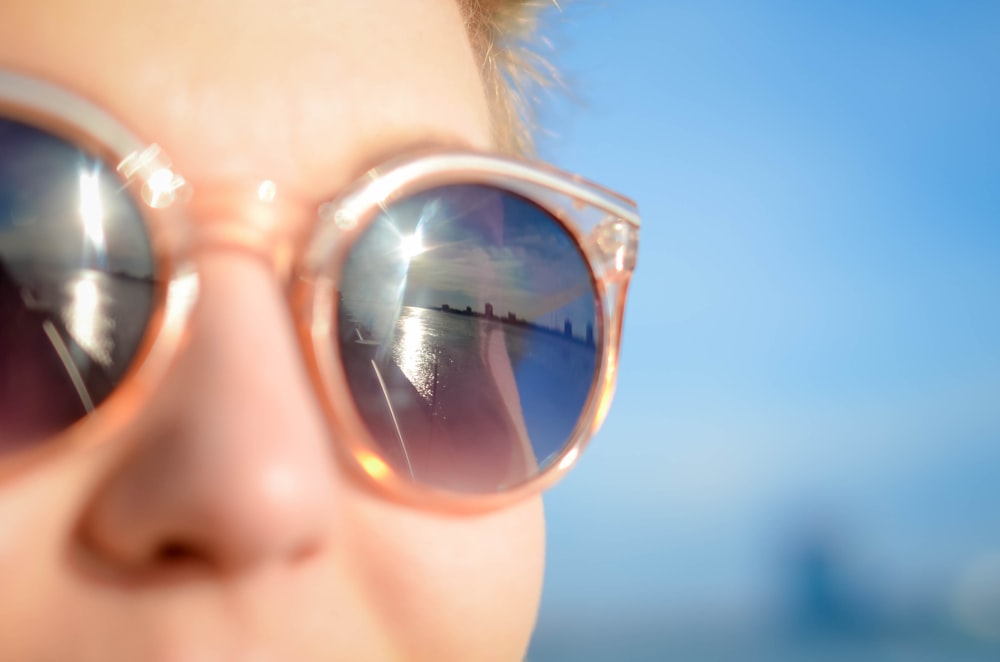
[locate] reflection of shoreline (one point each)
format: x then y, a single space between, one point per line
50 289
511 319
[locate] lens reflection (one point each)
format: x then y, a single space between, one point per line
467 331
76 283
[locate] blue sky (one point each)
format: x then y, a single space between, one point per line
812 346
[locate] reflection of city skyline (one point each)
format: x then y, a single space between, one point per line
489 313
473 251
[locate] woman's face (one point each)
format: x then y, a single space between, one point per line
222 526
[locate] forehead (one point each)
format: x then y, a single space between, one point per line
306 92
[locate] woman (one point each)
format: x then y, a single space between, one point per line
197 506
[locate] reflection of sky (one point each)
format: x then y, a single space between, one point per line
58 209
812 349
513 256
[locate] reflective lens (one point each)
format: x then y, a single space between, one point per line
76 283
469 337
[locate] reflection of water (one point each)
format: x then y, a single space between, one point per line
432 349
446 358
104 314
411 355
86 316
67 339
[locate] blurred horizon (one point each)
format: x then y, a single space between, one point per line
803 454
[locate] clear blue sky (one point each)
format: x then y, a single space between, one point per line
807 424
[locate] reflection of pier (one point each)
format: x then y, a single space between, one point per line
512 319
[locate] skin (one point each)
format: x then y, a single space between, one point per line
202 532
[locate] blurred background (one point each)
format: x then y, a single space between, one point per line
803 459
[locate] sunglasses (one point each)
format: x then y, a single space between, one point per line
460 313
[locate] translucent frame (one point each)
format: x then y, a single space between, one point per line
460 312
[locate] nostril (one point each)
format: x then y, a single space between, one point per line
174 552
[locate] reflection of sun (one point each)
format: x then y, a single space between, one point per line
414 358
411 245
87 320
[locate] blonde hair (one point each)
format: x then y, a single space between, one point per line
505 35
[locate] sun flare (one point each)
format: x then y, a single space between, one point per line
411 245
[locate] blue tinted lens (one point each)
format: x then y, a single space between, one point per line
76 283
468 333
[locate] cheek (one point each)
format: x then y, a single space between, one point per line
458 586
38 505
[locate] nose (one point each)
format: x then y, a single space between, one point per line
231 465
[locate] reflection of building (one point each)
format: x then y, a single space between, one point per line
490 314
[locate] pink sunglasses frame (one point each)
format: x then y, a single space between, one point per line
604 225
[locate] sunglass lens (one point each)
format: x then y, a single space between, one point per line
469 335
76 283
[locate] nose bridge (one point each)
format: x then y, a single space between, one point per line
231 467
261 219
